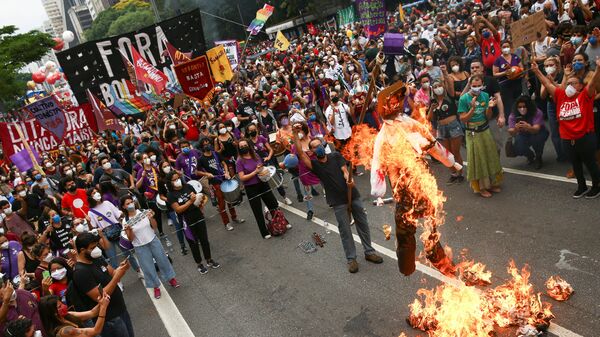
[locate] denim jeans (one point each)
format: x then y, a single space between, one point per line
525 141
307 193
178 228
555 136
113 260
119 326
150 252
362 228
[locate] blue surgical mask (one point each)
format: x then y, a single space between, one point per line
38 177
593 40
186 150
577 66
319 151
576 40
297 105
312 118
486 34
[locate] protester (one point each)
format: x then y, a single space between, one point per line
527 126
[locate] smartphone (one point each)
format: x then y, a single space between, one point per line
100 290
45 274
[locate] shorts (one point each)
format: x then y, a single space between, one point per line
451 130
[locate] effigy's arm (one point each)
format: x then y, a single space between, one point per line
378 187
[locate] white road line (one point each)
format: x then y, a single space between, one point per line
555 329
169 314
539 175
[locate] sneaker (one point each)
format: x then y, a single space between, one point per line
140 275
309 215
353 266
267 237
530 158
229 227
202 269
460 179
239 220
453 179
300 198
183 251
287 201
593 193
538 163
173 283
157 293
288 226
374 258
580 192
213 264
314 193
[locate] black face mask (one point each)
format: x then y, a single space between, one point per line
252 133
335 100
207 148
244 150
72 188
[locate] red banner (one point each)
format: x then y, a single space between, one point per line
194 77
147 73
79 121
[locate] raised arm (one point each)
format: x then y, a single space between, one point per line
592 85
300 153
543 79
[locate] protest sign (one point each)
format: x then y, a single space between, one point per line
49 114
232 49
194 77
372 16
219 64
526 30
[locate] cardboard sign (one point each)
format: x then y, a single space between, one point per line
232 49
219 64
49 114
525 31
194 77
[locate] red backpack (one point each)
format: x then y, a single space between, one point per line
276 222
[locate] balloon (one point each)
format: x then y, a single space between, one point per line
38 77
349 33
59 43
68 36
30 85
52 77
290 161
50 66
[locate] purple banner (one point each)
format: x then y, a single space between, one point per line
22 160
393 44
372 16
50 115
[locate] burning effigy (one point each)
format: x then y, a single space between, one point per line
558 289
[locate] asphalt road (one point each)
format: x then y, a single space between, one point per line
272 288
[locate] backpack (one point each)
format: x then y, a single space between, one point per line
276 222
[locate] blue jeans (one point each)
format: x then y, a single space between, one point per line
113 260
555 136
525 141
178 228
307 193
362 228
150 252
119 326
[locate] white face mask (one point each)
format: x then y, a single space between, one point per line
300 135
147 161
438 91
96 253
229 128
476 90
96 152
59 274
48 258
350 68
81 228
506 51
177 183
429 63
4 245
420 61
153 157
69 172
106 166
167 169
550 70
222 131
48 165
455 69
425 85
321 76
8 211
23 194
570 91
37 333
337 87
172 127
96 196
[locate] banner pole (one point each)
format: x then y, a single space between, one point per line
36 165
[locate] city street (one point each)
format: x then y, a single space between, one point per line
272 288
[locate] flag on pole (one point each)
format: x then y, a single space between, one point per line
219 64
401 12
175 55
262 15
281 43
131 72
147 73
105 119
50 115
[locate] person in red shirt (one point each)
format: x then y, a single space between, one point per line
75 200
489 40
574 111
279 100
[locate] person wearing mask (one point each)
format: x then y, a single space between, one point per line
61 274
163 189
60 233
592 47
225 146
215 170
187 161
279 98
284 140
187 203
458 77
89 273
147 183
576 125
74 201
526 125
18 304
338 119
43 254
472 51
9 250
60 322
308 179
334 175
119 178
248 166
21 327
27 262
475 109
140 229
510 89
493 89
14 222
554 73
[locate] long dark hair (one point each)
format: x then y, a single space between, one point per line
63 263
250 147
49 315
93 203
529 103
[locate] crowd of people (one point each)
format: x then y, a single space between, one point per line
74 225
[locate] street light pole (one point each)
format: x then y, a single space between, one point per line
155 10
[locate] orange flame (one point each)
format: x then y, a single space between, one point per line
558 289
359 149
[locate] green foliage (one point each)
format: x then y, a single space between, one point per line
131 21
16 51
287 9
123 17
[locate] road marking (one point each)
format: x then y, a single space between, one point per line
172 319
539 175
555 329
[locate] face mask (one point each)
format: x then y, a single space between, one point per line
550 70
312 118
177 183
63 310
350 68
593 40
49 165
222 131
274 88
337 87
420 61
522 111
476 90
297 105
229 128
321 76
59 274
37 333
4 245
285 121
505 51
167 169
153 158
22 194
244 150
576 40
131 207
486 34
69 173
438 91
455 69
252 134
570 91
172 127
106 166
147 161
7 211
48 258
13 297
56 218
97 196
300 135
38 177
577 66
425 85
96 253
319 151
186 150
429 63
81 228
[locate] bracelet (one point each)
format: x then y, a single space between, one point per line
101 316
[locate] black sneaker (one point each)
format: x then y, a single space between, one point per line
183 251
538 162
314 192
300 198
452 180
309 215
580 192
460 179
202 269
213 264
593 193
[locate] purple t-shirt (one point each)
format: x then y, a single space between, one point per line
307 177
27 306
188 163
150 182
260 146
538 119
8 261
503 65
248 166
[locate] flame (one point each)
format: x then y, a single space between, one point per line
359 149
558 289
473 273
387 230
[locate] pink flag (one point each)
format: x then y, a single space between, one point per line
147 73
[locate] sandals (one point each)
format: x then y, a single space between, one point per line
485 194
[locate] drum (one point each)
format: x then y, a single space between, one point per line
269 175
231 191
278 148
161 204
196 185
124 241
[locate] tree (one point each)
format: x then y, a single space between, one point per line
102 27
286 9
131 21
16 51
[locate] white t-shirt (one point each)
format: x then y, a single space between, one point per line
107 209
342 130
143 233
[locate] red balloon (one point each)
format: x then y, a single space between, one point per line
53 77
38 77
59 43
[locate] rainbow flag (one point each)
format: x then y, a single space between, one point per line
262 15
129 106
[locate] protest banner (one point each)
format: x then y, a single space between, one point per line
372 16
194 77
219 64
393 44
23 160
105 119
281 43
232 49
526 30
97 65
49 114
147 73
346 16
79 121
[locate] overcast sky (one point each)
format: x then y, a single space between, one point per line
25 14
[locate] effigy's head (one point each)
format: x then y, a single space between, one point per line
393 103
